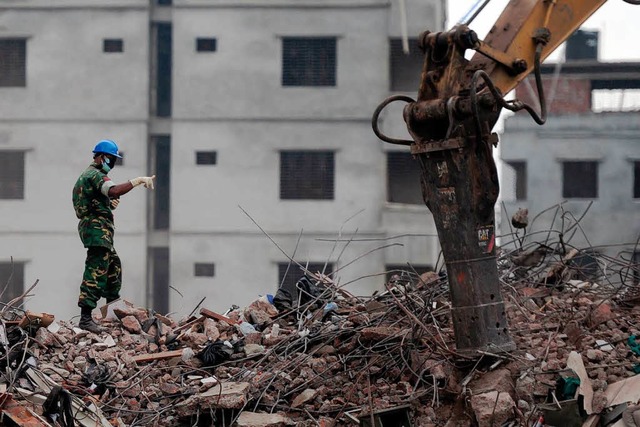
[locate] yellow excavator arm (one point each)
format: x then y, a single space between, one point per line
514 35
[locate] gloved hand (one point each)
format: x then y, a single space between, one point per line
147 181
114 203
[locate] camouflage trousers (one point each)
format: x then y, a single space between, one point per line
102 276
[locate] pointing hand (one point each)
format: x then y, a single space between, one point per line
147 181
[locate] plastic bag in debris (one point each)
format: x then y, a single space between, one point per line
246 328
216 352
57 407
305 290
329 309
96 376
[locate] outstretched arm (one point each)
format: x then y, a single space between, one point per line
120 189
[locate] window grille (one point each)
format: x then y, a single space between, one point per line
206 44
580 179
11 276
405 68
307 175
403 179
309 61
201 269
290 273
13 62
12 175
206 157
112 45
520 184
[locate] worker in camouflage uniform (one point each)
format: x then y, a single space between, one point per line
95 196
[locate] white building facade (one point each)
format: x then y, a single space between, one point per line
255 118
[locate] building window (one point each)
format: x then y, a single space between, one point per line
161 197
163 69
580 179
11 276
206 157
519 179
112 45
309 61
12 175
159 267
201 269
406 272
636 180
206 45
403 179
405 67
13 62
307 175
289 273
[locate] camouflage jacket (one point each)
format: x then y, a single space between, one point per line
93 208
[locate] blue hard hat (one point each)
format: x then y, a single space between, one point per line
107 146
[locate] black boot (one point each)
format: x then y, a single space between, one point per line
87 323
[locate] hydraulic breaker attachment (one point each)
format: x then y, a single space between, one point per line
450 124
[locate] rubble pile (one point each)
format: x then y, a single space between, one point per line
317 355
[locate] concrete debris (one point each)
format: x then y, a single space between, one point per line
303 397
338 359
493 408
252 419
520 219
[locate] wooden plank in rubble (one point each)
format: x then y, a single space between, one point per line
213 315
157 356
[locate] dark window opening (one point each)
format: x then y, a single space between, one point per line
161 161
160 274
636 180
582 45
206 157
12 276
201 269
403 179
112 45
13 62
405 68
309 61
164 2
405 272
580 179
163 70
12 175
206 44
584 265
290 273
520 179
307 175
